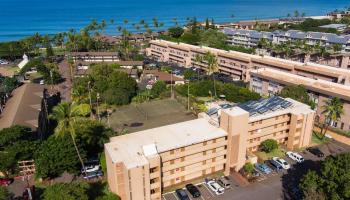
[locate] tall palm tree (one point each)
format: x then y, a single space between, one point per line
333 110
212 66
68 116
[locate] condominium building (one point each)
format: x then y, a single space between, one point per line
95 56
313 38
238 65
141 164
250 38
269 81
246 38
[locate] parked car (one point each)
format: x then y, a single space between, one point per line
263 168
224 182
215 187
5 181
193 190
275 165
182 194
316 151
42 82
282 162
3 62
295 156
91 168
91 175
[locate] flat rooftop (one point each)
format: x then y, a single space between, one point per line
263 106
268 108
283 63
130 148
316 85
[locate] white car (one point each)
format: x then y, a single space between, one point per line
215 187
2 62
42 82
295 156
91 168
282 162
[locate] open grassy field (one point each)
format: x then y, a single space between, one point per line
136 117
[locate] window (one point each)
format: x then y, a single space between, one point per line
204 162
152 180
204 143
171 152
213 159
214 141
182 168
342 125
214 150
172 162
204 153
153 191
182 159
171 171
182 149
153 169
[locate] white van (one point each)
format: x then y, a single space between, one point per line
295 156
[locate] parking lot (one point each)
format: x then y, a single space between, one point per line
206 193
274 186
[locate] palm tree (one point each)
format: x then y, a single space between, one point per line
212 65
333 110
68 116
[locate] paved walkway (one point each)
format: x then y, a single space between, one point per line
65 87
336 136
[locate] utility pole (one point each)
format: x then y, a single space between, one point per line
171 83
188 95
98 109
92 116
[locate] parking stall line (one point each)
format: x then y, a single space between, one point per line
206 187
175 196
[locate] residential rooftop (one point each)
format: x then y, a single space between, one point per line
130 148
316 85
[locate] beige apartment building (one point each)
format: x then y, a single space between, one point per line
140 165
238 65
269 82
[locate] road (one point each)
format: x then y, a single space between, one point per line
65 87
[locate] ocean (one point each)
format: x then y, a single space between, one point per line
20 18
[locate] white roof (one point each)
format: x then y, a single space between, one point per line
132 149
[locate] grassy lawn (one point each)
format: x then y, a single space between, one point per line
204 99
275 153
318 140
137 117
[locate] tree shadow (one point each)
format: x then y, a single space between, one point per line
96 189
291 179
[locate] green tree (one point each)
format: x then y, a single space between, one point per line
57 155
66 191
269 145
93 135
16 144
332 110
68 115
248 168
176 31
332 180
337 47
158 88
207 25
5 194
188 74
212 66
298 93
213 38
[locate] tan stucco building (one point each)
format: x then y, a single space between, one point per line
140 165
269 82
238 65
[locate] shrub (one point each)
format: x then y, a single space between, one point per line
248 168
269 145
